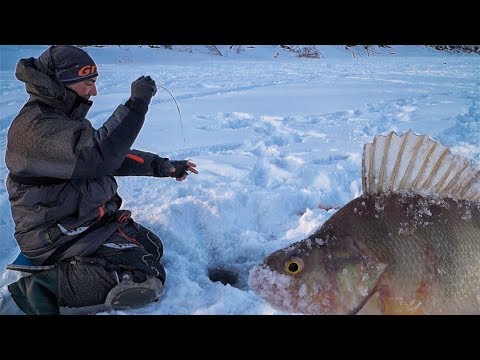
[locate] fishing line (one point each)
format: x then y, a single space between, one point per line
178 109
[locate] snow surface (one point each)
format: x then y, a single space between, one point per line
278 141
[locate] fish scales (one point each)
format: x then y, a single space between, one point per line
440 250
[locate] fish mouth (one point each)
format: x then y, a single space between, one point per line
256 277
275 288
262 280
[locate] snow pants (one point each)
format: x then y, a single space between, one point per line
133 252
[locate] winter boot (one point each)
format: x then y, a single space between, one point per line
129 294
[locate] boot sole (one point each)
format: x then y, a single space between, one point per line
129 294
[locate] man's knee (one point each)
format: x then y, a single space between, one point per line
91 281
149 240
84 281
136 261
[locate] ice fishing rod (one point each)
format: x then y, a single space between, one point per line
178 109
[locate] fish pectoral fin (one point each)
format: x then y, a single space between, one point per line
373 305
399 306
378 305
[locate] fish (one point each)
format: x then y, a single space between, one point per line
408 245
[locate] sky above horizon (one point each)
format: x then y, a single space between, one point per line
278 141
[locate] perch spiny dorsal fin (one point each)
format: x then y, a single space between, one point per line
418 164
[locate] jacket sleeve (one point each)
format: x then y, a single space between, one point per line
139 163
105 152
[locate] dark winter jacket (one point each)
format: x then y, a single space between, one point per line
61 187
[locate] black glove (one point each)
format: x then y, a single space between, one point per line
180 168
144 88
171 168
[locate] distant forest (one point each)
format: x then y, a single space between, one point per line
311 51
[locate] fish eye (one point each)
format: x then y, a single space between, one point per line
294 266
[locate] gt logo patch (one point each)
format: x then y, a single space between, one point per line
87 70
